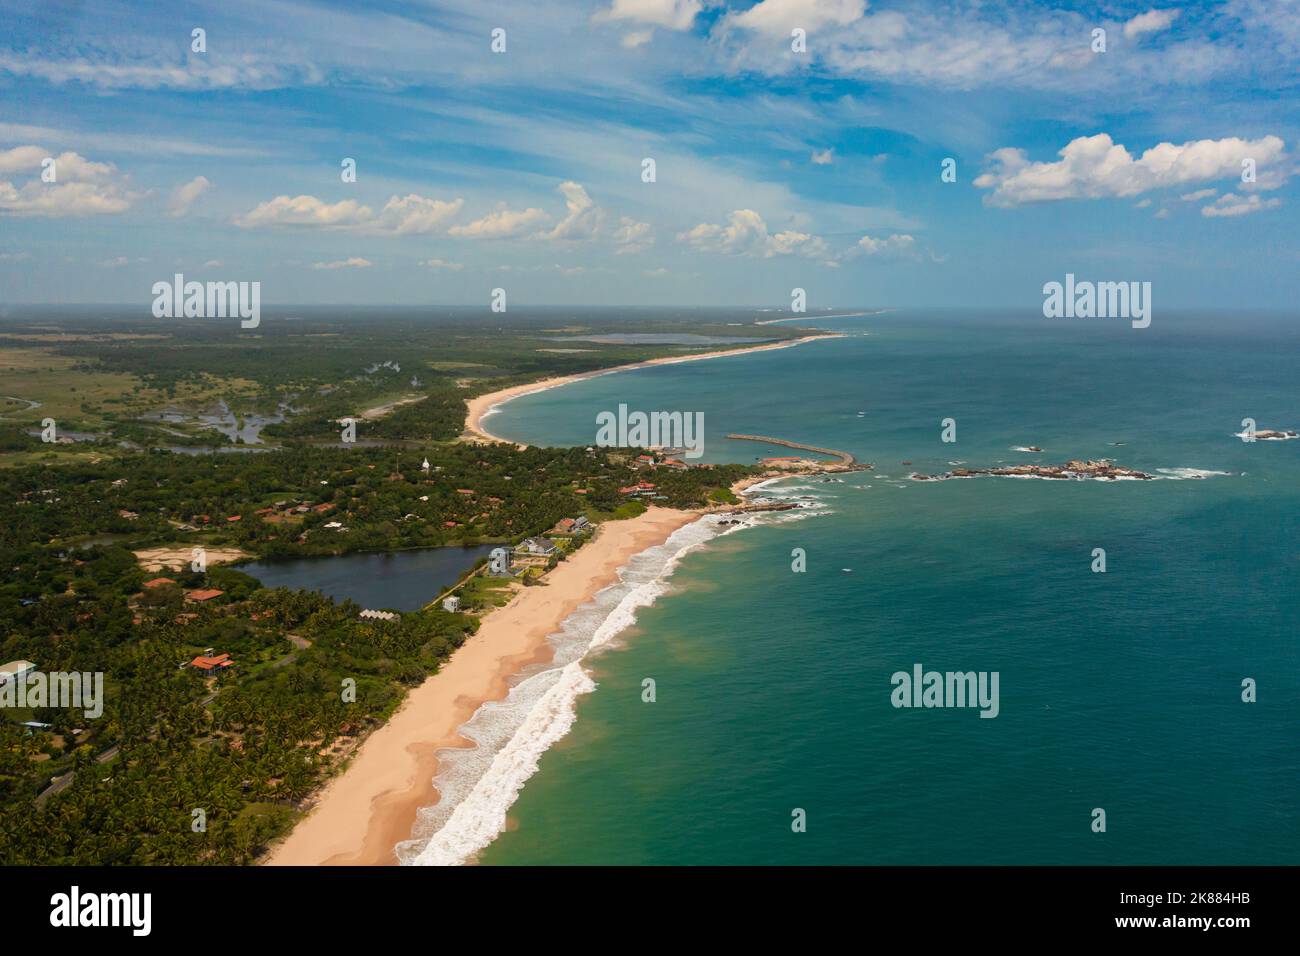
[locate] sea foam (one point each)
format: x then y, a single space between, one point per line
479 784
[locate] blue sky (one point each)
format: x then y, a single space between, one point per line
774 168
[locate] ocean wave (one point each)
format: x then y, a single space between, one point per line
479 784
1186 474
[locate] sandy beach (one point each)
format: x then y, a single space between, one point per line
364 812
480 406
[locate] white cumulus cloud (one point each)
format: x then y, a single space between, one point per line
632 236
779 17
1230 204
1093 167
1153 21
896 244
80 187
583 218
669 14
401 215
502 223
746 234
305 211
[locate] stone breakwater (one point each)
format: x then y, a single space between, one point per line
845 460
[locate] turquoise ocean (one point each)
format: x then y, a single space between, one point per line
1119 690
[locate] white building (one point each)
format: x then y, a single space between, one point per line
451 604
539 546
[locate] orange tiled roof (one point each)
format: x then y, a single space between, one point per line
209 663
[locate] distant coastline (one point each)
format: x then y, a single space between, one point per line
482 406
363 814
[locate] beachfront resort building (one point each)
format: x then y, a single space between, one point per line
578 525
639 490
540 546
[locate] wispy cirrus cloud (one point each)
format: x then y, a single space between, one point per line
186 195
352 262
193 73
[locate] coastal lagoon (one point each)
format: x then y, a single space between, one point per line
1120 690
391 580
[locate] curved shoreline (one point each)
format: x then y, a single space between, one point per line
369 807
482 406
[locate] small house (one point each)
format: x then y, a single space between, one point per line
212 666
543 546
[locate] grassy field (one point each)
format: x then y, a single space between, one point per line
80 396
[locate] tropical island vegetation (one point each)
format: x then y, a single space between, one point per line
206 765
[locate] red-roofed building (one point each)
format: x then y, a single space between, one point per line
234 518
158 582
640 488
208 666
203 594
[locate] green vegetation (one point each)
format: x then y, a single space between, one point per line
247 748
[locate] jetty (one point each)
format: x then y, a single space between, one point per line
845 459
